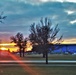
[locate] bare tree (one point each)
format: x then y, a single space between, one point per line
2 17
24 45
44 34
20 42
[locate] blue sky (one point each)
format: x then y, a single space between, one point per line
22 13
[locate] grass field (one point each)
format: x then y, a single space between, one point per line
39 70
26 69
50 57
39 57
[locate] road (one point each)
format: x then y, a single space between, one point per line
40 63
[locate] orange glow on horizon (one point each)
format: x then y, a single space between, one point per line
11 46
6 44
69 41
3 48
28 46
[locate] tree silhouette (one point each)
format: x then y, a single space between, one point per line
45 35
2 17
20 42
24 45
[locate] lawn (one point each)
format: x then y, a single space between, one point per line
27 69
39 57
39 70
50 57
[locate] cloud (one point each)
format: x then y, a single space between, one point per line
43 1
69 12
71 1
4 33
21 14
37 2
72 22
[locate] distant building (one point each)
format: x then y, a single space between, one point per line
65 48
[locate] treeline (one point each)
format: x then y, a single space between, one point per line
42 36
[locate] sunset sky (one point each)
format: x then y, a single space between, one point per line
22 13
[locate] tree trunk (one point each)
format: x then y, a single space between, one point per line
44 54
23 52
20 52
46 57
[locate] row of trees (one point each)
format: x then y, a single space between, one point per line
20 42
42 36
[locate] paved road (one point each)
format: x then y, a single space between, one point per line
40 63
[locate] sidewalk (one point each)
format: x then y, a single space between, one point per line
38 61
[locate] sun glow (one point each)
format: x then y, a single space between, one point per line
28 46
3 48
13 48
8 46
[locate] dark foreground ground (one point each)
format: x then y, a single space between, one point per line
39 68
